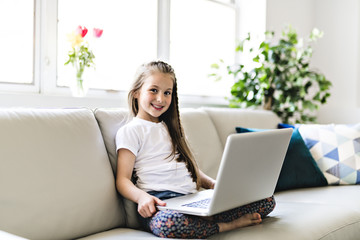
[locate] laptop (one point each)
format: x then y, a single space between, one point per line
248 172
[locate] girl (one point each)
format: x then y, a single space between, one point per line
155 162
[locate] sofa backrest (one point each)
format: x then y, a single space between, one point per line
57 166
110 120
203 139
199 129
227 119
55 178
206 130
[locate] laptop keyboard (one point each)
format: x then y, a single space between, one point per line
204 203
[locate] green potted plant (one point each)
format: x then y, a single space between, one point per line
279 77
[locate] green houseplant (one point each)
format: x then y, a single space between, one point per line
280 78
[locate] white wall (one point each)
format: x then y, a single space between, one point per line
299 13
337 54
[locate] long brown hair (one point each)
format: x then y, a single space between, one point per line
171 117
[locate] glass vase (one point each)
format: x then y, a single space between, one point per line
79 87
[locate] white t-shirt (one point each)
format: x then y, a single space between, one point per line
155 167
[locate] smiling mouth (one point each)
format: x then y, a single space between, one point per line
157 107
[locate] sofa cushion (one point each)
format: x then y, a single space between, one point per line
121 233
55 178
203 140
199 131
110 120
299 168
326 213
226 119
336 149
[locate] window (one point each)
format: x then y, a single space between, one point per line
201 33
195 43
189 34
129 38
17 41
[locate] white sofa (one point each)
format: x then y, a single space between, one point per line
57 178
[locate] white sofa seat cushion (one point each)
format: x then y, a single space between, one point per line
122 233
55 178
326 213
334 195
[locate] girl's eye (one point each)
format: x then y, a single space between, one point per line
167 93
153 90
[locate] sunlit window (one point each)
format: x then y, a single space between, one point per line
17 41
201 33
129 39
189 34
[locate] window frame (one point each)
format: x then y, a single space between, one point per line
34 86
44 84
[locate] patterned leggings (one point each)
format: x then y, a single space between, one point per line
172 224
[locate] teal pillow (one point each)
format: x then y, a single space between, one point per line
299 169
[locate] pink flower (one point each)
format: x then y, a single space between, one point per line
98 32
81 31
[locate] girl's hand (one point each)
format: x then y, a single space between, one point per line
206 181
147 205
212 184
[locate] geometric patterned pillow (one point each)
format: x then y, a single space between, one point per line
336 150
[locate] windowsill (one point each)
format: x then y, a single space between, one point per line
95 99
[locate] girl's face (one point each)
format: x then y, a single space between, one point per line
154 97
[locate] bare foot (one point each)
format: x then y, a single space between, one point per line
244 221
